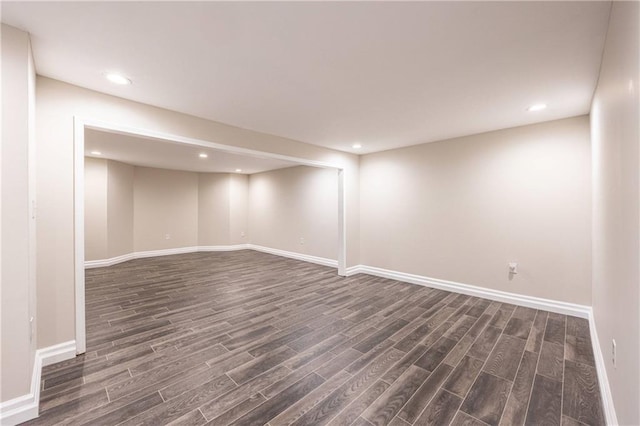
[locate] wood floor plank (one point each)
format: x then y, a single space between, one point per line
354 387
441 410
484 343
377 338
261 364
545 402
129 410
237 394
246 337
276 405
413 338
486 398
555 330
406 362
463 376
357 407
421 397
534 341
578 341
239 410
516 409
297 374
505 357
463 419
181 405
383 409
296 410
435 354
192 418
581 394
551 362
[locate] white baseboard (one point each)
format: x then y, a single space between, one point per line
181 250
605 390
224 248
101 263
565 308
164 252
25 407
57 353
292 255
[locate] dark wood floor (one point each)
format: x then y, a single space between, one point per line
247 338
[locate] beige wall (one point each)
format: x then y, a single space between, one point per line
213 209
95 208
462 209
289 204
17 289
238 208
165 203
126 204
108 208
119 209
616 208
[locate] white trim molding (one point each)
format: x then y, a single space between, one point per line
101 263
89 264
556 306
25 407
605 390
298 256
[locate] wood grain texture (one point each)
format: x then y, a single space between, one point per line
516 409
551 362
463 376
384 409
578 341
250 338
504 360
424 394
441 410
486 398
545 402
581 395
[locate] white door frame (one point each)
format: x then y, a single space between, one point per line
82 123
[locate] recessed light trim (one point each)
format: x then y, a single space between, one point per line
536 107
356 145
238 170
95 153
202 155
117 78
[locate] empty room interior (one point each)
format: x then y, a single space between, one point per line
320 213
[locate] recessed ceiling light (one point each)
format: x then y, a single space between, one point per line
96 153
356 146
238 170
202 155
117 78
537 107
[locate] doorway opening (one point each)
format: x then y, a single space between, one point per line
83 124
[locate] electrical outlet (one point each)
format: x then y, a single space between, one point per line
167 236
613 352
513 268
301 241
242 234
